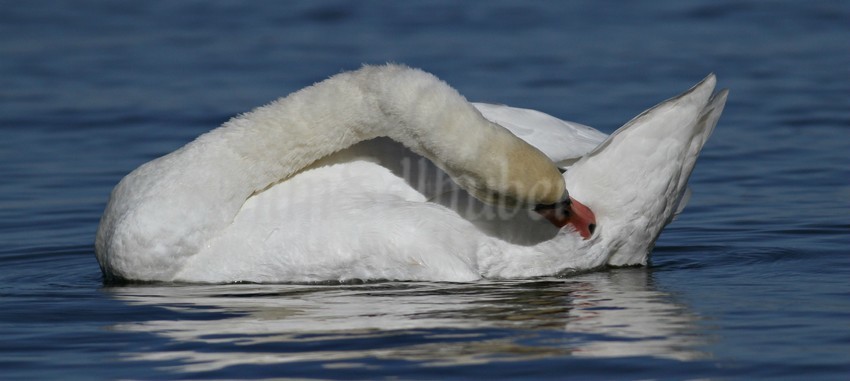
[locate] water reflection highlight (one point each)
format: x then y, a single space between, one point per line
608 314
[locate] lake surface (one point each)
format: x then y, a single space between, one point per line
751 282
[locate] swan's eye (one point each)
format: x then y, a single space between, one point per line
591 228
541 207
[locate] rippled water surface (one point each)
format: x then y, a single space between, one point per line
751 282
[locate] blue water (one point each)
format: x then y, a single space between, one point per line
751 282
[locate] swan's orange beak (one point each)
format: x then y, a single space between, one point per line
570 212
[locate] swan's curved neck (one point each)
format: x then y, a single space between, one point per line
169 208
408 106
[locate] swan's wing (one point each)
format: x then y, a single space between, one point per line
350 220
564 142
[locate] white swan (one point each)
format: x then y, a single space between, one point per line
301 189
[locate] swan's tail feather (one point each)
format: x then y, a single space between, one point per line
636 181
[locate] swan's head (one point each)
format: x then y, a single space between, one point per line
569 212
636 181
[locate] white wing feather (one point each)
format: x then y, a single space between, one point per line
564 142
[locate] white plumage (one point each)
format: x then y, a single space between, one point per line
369 175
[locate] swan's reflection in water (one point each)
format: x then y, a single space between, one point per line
607 314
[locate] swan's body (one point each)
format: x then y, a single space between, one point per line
300 190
